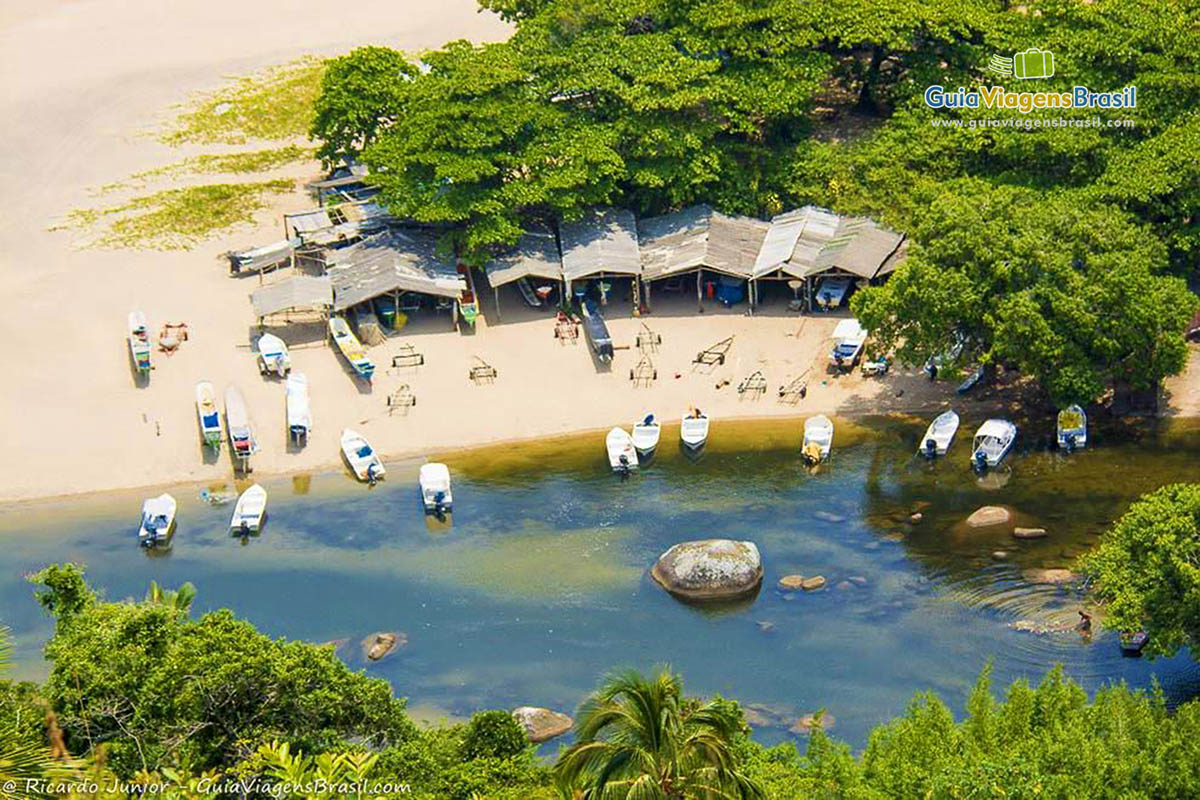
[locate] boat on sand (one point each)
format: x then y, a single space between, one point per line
299 418
249 512
209 415
241 429
273 355
350 347
139 342
361 457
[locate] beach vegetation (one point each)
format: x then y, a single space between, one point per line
174 219
276 104
1147 570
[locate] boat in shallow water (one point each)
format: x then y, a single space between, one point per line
434 480
645 435
350 347
158 518
939 435
209 415
818 439
622 455
361 457
249 512
1072 428
992 442
693 430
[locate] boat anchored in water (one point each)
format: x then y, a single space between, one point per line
434 479
645 435
249 512
210 417
992 442
693 430
299 418
241 430
139 343
273 355
622 455
939 435
158 518
363 459
1072 428
350 347
818 439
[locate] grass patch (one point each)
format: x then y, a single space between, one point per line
275 104
175 219
230 163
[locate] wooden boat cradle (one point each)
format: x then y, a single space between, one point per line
408 357
402 399
482 372
754 384
644 372
714 355
647 340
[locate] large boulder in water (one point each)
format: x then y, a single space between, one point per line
541 724
378 645
987 516
710 569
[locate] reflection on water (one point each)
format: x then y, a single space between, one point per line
537 586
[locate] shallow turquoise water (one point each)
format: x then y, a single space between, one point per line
539 586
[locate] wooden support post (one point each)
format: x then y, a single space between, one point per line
496 290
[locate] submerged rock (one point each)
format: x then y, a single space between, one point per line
999 555
916 516
1029 533
986 516
815 582
829 516
709 569
804 726
378 645
1052 576
541 724
791 583
765 626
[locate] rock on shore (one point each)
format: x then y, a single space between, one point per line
709 569
541 724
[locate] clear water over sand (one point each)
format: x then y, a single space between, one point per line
538 585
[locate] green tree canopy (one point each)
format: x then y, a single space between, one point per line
1147 569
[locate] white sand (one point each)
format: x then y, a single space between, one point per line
81 78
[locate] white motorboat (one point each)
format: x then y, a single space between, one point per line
158 518
939 435
818 439
299 418
435 488
273 355
210 417
849 338
249 512
139 342
622 455
693 431
992 442
241 430
645 434
1072 428
363 459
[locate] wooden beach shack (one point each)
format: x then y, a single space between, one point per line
698 240
535 256
811 243
296 293
396 262
602 244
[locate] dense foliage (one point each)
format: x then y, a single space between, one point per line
1046 249
1147 568
318 724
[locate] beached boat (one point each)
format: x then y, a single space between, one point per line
158 518
527 292
645 435
241 430
363 459
435 488
992 442
818 439
210 417
299 419
596 331
939 435
249 512
693 431
139 342
1072 428
350 347
468 307
849 338
971 381
273 355
622 455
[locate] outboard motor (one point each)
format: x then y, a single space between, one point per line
624 468
1069 442
371 479
980 461
245 529
930 448
439 504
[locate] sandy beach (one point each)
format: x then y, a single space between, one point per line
83 79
